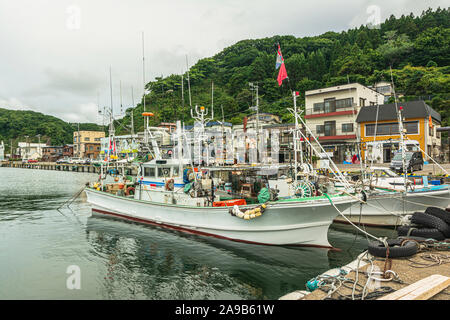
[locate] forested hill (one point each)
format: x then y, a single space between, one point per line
17 124
418 48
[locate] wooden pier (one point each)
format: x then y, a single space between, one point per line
423 276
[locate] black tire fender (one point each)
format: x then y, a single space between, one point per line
397 248
440 213
428 233
430 221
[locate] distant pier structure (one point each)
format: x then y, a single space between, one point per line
86 168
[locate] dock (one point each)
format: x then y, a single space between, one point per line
84 168
423 276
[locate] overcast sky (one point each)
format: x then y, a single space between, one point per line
55 55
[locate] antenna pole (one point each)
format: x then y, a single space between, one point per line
189 83
132 109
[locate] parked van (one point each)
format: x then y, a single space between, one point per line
414 161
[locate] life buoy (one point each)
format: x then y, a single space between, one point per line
130 191
169 185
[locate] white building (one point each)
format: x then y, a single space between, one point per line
30 150
331 114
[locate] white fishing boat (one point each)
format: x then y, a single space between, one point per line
161 198
301 221
387 208
387 203
165 194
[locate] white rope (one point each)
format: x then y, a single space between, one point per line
363 231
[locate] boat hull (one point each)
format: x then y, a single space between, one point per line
303 223
375 215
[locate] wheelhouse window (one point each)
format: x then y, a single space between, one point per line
149 172
163 172
175 171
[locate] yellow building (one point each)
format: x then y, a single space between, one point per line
83 138
379 130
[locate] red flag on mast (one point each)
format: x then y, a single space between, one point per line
282 74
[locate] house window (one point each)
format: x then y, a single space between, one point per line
329 128
329 105
411 127
387 129
347 127
362 102
86 139
318 107
319 128
344 103
431 130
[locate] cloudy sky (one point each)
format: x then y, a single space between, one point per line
55 55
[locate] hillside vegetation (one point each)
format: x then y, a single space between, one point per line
417 49
17 124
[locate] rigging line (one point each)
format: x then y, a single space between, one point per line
365 232
376 130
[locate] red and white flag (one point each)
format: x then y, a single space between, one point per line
282 74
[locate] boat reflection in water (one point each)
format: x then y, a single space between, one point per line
147 262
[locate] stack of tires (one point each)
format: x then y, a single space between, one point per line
434 223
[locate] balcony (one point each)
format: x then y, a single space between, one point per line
333 108
333 133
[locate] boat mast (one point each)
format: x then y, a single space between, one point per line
189 83
131 115
111 116
143 81
400 129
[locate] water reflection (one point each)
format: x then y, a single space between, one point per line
148 262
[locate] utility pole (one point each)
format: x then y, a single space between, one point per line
224 141
78 140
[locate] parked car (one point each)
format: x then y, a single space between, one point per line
76 160
414 161
32 161
63 160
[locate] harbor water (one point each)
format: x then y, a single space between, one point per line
39 245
